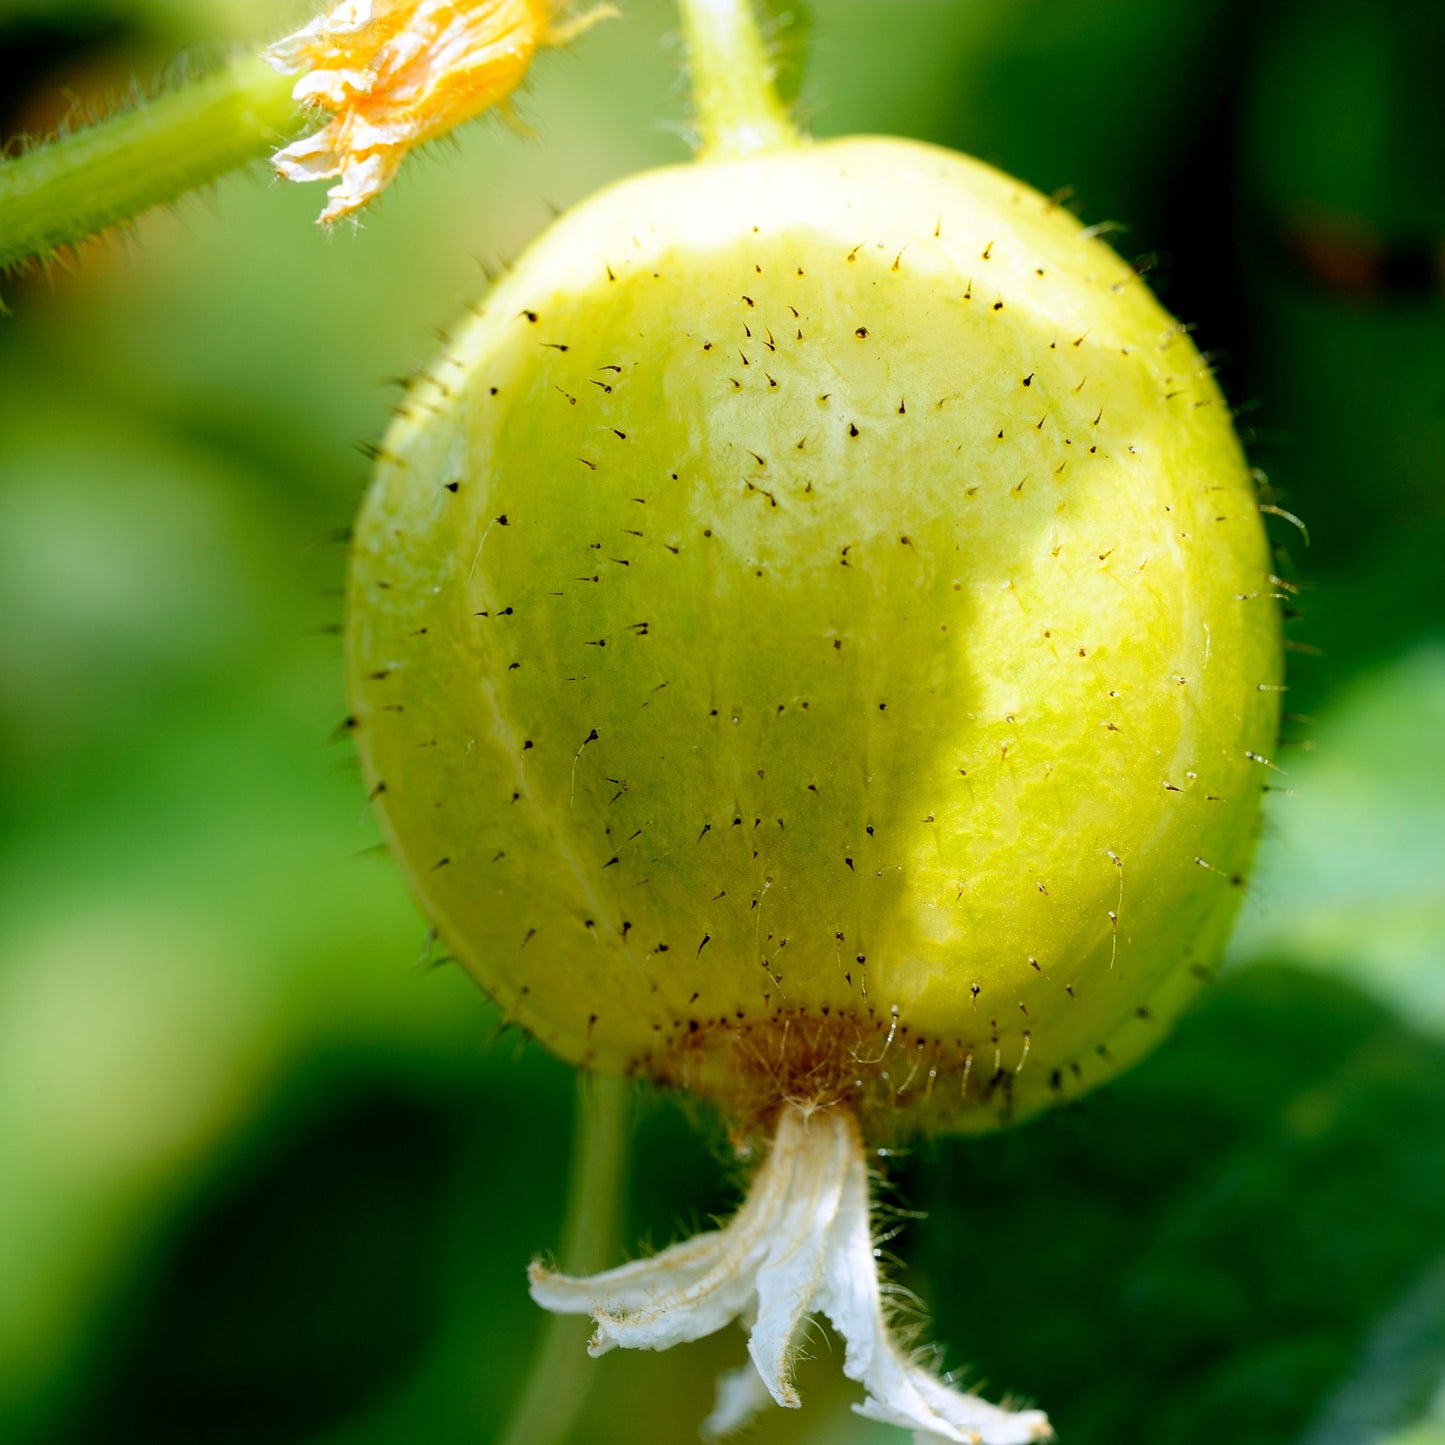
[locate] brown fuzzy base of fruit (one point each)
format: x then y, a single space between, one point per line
892 1080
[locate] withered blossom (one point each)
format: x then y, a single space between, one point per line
395 73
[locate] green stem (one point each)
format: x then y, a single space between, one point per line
562 1374
78 184
738 110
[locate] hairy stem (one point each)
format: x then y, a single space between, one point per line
738 110
561 1376
78 184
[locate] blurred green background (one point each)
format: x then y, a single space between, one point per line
264 1175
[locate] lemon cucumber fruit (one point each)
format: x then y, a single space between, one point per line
812 642
820 604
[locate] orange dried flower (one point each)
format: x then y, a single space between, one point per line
395 73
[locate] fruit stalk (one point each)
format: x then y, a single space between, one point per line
738 112
149 155
559 1382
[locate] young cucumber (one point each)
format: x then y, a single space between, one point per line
820 602
812 643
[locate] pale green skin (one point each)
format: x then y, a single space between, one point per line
1057 586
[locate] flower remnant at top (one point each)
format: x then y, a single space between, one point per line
395 73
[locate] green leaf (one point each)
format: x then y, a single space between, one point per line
1349 879
1399 1377
1208 1249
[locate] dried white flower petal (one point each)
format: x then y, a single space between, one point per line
395 73
741 1396
801 1244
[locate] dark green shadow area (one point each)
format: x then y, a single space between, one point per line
359 1256
1203 1252
1196 1254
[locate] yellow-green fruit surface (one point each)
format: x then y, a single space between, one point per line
811 636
